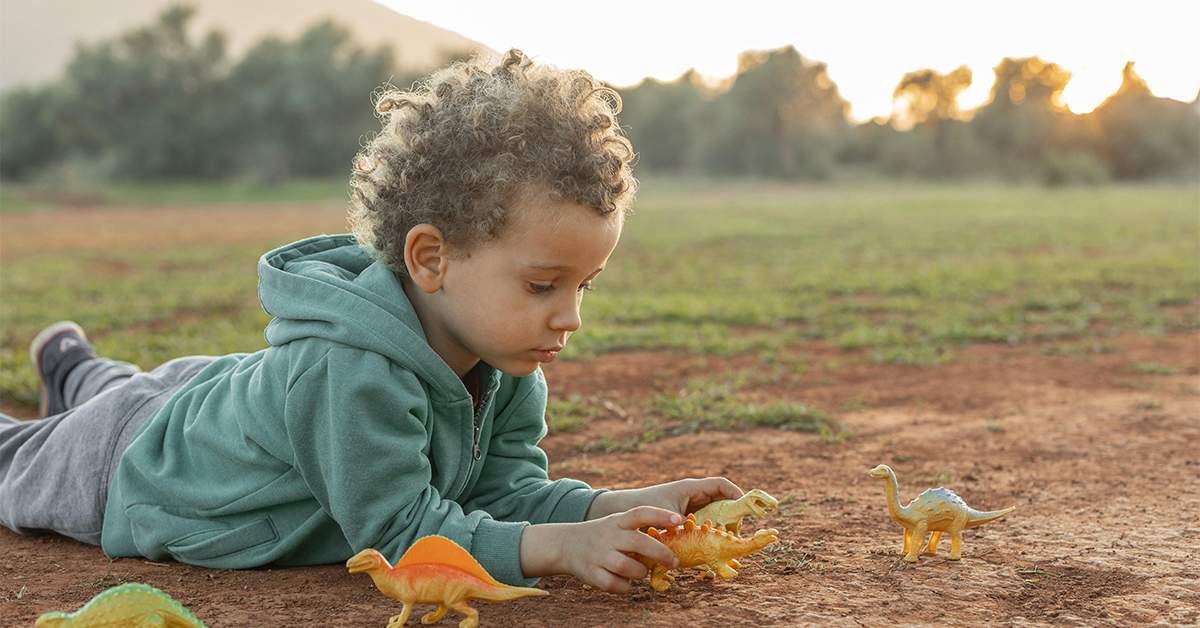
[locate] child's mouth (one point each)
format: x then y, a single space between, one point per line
545 356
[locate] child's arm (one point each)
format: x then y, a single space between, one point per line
681 496
596 551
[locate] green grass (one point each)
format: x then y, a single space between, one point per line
25 197
905 274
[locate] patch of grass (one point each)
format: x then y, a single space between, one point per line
939 478
1033 582
704 406
571 415
18 595
1078 348
608 444
1154 368
827 434
110 579
786 555
858 402
1148 404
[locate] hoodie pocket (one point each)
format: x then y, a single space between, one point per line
197 541
223 542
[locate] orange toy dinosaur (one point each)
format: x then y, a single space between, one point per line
435 570
704 545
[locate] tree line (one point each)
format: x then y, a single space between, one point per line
154 103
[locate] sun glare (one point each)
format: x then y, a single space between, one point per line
866 58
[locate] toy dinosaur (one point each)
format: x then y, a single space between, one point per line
698 545
435 570
729 512
130 605
936 510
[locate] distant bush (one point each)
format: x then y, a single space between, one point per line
1074 167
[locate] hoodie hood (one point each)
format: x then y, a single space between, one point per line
328 287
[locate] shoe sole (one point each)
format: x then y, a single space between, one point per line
35 356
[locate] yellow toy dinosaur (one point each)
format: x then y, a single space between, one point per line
729 512
131 605
435 570
698 545
936 510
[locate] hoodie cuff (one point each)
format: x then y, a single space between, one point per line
497 547
573 506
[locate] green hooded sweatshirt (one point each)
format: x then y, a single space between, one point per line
347 432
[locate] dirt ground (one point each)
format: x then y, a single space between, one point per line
1101 460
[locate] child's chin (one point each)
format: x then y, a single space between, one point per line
518 369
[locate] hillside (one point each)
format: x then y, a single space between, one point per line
37 38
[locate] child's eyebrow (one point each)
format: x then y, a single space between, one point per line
555 267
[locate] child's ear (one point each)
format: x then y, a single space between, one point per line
425 256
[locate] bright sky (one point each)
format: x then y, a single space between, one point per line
868 44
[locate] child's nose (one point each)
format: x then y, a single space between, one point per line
567 318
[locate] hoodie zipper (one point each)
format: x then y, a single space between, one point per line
477 423
476 450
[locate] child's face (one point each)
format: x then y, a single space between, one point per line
514 301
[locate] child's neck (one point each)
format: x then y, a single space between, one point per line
436 334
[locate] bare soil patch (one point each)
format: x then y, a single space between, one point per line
1101 460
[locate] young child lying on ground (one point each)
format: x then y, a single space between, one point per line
400 395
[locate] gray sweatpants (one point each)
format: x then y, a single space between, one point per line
55 472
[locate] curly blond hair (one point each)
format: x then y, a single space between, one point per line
467 141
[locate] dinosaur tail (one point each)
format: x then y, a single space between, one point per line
505 593
51 620
976 518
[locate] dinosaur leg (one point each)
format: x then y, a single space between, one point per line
472 619
907 540
435 615
725 571
918 535
399 620
931 547
660 579
709 574
735 564
955 545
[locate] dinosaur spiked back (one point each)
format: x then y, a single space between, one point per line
439 550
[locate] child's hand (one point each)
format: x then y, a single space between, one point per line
596 551
681 496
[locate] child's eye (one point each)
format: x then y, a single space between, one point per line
586 286
540 288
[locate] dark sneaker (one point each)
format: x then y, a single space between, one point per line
54 352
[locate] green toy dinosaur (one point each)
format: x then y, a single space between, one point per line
130 605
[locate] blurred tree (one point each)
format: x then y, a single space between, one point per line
1142 135
929 102
303 105
660 118
1023 117
152 100
28 126
783 117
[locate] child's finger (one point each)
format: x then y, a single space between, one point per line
654 549
603 579
727 489
627 567
643 516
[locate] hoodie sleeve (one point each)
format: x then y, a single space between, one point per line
513 484
359 449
